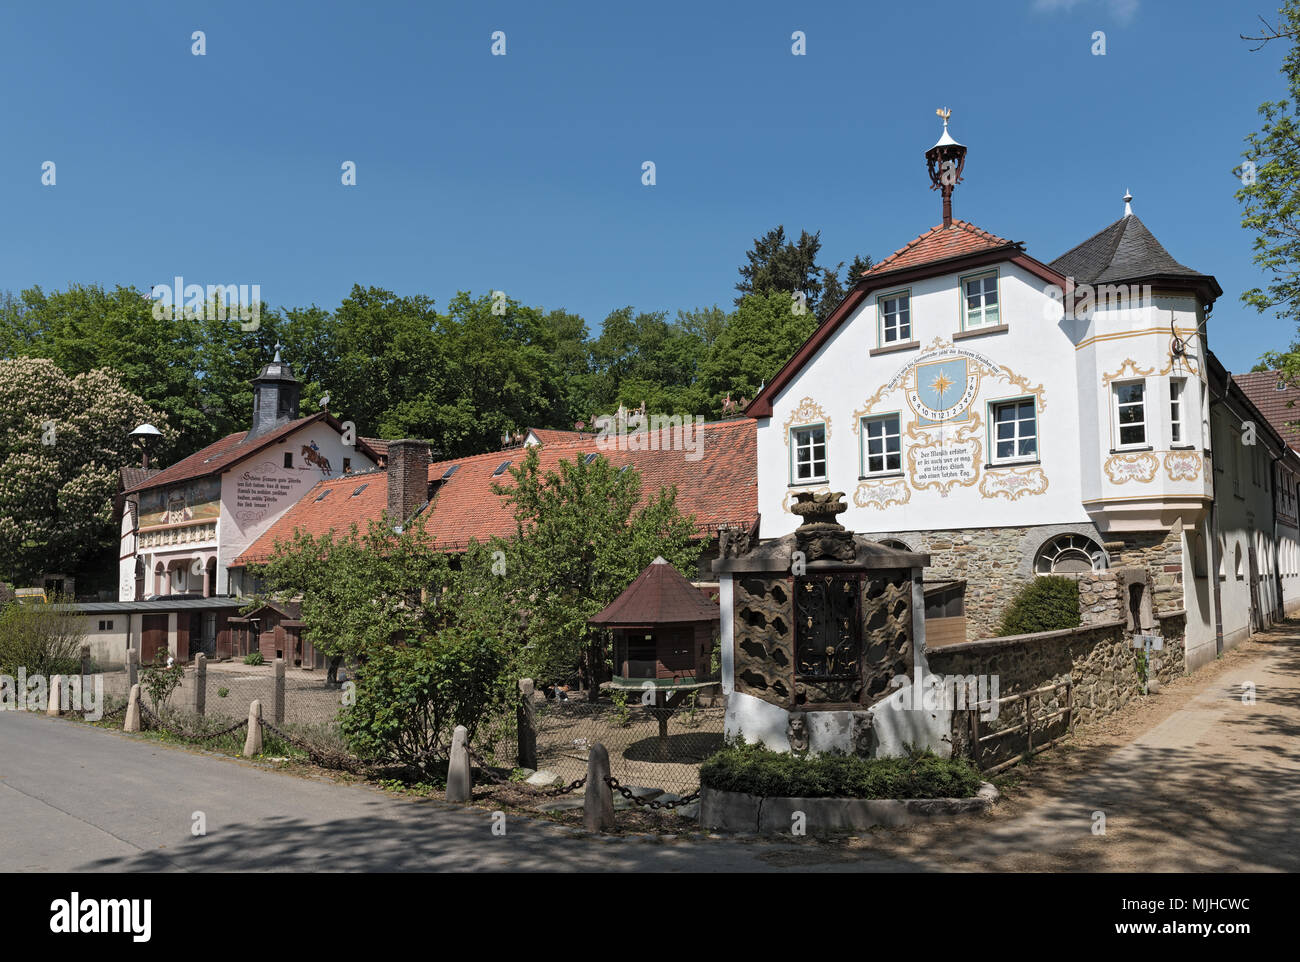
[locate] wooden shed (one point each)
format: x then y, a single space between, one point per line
663 626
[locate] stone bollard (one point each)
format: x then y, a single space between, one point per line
200 683
526 724
277 693
132 666
56 689
460 783
253 742
132 721
598 803
85 666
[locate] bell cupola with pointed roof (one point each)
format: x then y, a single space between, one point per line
945 162
275 396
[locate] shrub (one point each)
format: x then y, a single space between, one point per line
757 771
222 692
43 639
410 697
1047 603
254 659
160 681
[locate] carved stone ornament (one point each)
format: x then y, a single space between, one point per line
797 732
862 726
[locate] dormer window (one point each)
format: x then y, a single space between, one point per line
980 301
895 317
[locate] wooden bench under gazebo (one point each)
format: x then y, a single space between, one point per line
664 630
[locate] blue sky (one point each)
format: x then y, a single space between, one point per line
523 172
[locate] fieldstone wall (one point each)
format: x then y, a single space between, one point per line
990 560
1161 553
1100 599
1097 658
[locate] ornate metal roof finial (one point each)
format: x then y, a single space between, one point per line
1128 200
945 161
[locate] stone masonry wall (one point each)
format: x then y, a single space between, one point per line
1160 552
988 559
1098 659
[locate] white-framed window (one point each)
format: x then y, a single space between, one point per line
882 445
895 317
1130 414
808 453
1177 429
1015 430
980 307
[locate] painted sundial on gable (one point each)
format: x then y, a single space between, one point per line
944 390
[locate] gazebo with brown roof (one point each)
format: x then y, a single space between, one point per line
664 628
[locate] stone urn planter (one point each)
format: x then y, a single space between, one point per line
739 812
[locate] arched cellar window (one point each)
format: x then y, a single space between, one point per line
1070 554
895 543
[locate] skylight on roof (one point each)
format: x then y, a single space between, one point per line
360 489
501 468
324 494
591 457
446 475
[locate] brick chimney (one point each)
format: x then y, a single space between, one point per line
408 478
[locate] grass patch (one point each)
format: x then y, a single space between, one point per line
755 770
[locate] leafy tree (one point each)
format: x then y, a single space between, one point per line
62 441
833 291
43 639
360 591
88 328
764 333
776 264
580 540
1271 203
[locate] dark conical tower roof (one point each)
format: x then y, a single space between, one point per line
1127 252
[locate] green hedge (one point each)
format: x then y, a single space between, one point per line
1048 603
757 771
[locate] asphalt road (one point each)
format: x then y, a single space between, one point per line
79 799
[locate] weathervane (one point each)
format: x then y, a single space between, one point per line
945 162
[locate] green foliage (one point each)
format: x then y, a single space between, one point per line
62 440
222 692
776 265
410 697
580 540
763 333
254 658
359 592
1047 603
43 639
622 717
1271 205
161 681
755 770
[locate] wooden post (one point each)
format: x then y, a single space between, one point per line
200 683
132 721
253 741
1029 724
277 696
460 783
975 736
598 802
526 723
85 669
